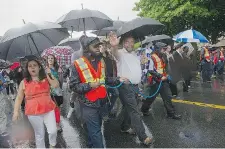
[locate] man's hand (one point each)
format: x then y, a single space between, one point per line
164 78
95 84
113 40
207 60
125 80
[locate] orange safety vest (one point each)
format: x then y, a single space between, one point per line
88 74
159 66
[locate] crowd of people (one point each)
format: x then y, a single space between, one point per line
107 71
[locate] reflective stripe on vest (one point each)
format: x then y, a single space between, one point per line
159 64
88 74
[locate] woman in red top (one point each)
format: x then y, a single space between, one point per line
39 105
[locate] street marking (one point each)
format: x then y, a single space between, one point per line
199 104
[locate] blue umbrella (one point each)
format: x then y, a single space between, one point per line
190 36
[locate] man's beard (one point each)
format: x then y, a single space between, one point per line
95 55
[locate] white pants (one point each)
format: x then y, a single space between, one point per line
37 122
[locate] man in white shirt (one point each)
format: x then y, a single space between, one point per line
129 68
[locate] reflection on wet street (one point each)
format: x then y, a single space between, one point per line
200 127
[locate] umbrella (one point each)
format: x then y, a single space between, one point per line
74 43
163 38
14 65
190 36
62 54
107 30
85 19
140 27
221 43
4 64
30 39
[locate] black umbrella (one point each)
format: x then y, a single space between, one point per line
30 39
140 27
74 43
107 30
85 19
163 38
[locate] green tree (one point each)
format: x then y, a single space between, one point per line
206 16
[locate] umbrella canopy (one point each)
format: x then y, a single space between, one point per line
221 43
163 38
4 64
140 27
62 54
30 39
107 30
14 65
74 43
85 19
190 36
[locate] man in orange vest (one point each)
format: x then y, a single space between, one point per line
219 61
87 78
157 73
206 64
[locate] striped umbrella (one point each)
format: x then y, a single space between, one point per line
190 36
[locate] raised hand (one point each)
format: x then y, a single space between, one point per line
113 40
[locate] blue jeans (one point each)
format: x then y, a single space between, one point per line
92 117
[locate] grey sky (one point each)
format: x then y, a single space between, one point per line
13 11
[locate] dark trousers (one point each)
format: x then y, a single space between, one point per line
93 119
206 70
11 88
186 83
165 94
113 96
131 115
173 89
219 67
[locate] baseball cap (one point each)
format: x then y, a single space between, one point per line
86 41
159 45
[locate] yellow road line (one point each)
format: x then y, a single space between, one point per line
200 104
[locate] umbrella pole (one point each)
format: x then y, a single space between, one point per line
35 45
84 26
72 32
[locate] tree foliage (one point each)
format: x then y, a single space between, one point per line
206 16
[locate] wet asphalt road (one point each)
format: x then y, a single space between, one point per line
200 127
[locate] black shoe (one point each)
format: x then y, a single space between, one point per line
174 116
72 104
146 113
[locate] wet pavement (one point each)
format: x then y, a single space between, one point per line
200 127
